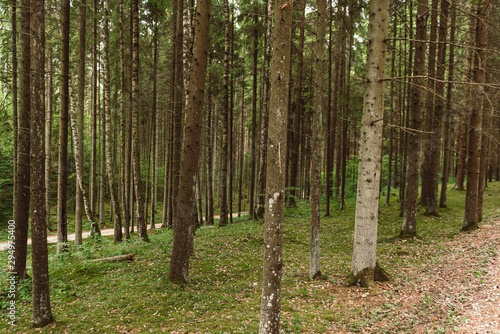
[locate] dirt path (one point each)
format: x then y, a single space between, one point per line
482 311
86 234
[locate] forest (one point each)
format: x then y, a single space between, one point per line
272 166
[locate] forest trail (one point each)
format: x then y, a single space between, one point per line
106 232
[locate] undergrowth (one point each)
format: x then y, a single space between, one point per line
223 294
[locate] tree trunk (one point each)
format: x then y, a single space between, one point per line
241 146
124 135
472 194
22 185
448 113
466 109
223 221
48 132
429 180
317 139
81 107
42 314
260 210
136 155
110 170
276 165
253 158
62 183
15 123
178 81
183 229
155 126
364 260
297 115
409 227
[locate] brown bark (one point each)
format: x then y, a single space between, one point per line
409 227
41 314
223 221
428 193
448 113
276 165
110 170
48 132
317 139
472 203
184 214
22 184
118 258
15 123
62 182
253 137
136 140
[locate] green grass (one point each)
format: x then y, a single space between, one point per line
223 295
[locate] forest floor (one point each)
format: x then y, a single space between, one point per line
443 281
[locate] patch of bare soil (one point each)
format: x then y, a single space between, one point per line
456 289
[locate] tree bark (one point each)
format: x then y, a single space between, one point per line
472 209
448 113
81 107
136 156
155 126
62 183
409 227
317 139
48 132
276 165
42 314
253 158
367 204
110 170
223 220
15 120
429 180
183 229
22 184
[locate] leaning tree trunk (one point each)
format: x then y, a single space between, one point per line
472 209
183 229
364 268
276 165
409 227
41 314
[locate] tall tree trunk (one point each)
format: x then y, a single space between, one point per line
155 126
329 127
124 135
48 131
22 185
178 81
428 191
448 113
15 123
81 107
364 268
93 126
317 139
62 182
241 145
466 108
297 115
276 165
409 227
41 314
223 221
110 170
472 194
136 155
183 229
210 155
437 121
259 212
253 157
